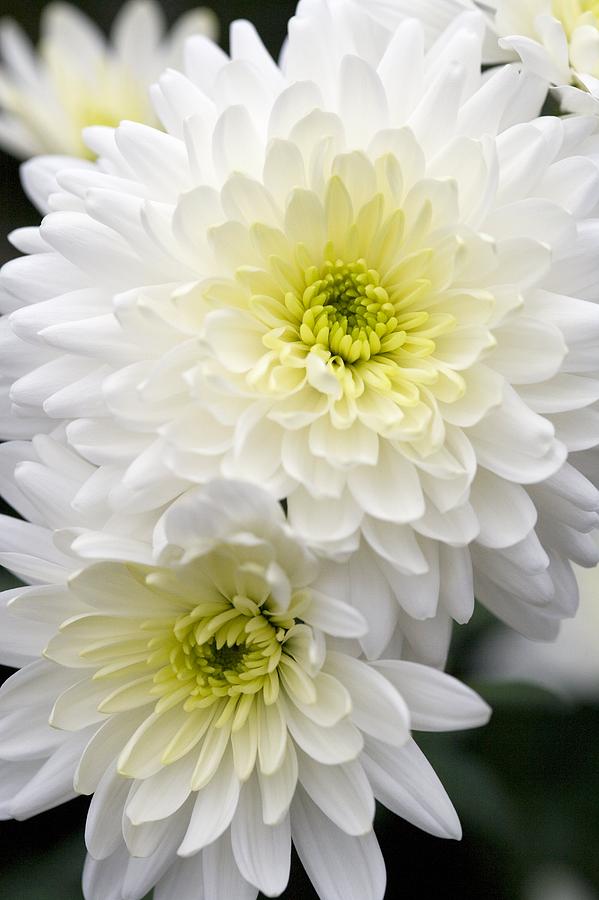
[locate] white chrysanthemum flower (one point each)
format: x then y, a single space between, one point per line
77 78
213 701
353 280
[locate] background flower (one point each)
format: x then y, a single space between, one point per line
77 79
556 883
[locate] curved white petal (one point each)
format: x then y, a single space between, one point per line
340 867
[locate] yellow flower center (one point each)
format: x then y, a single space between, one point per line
348 312
219 650
370 329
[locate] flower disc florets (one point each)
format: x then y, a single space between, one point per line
229 649
349 320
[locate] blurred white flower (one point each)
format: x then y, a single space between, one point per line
353 280
568 667
213 701
77 78
559 883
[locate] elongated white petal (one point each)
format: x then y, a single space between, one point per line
107 805
437 702
339 866
377 709
262 852
341 792
337 744
278 788
404 781
213 809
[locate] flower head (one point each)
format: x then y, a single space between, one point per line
351 279
212 700
76 79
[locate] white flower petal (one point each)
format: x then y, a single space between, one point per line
406 784
378 709
335 617
262 852
337 744
340 867
278 788
101 836
51 785
437 702
272 738
162 794
342 792
505 511
213 809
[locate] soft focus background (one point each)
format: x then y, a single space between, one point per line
526 787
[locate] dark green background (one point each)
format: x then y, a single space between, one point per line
526 787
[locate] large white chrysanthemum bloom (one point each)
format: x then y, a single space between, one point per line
77 78
212 700
358 280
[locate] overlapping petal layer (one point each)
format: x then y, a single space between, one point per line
558 39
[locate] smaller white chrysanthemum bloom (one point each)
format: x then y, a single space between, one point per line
216 705
77 78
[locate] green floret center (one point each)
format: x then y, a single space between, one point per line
347 311
218 661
